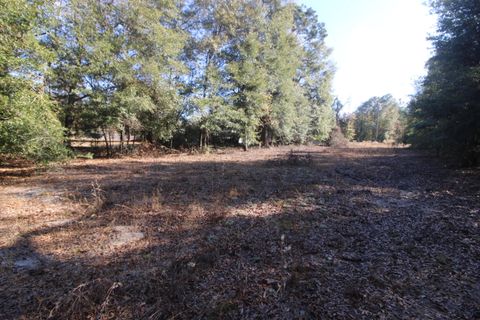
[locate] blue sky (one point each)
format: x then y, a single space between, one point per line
379 46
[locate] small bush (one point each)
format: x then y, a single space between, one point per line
29 128
337 139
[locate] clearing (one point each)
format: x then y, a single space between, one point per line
364 232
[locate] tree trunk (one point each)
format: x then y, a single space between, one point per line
266 141
68 120
203 138
121 141
266 135
106 141
111 143
127 132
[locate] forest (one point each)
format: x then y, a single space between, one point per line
169 72
190 74
190 159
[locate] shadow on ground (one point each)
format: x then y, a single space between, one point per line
333 234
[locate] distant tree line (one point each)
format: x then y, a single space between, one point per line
191 72
378 119
445 113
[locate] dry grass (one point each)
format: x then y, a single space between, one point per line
367 231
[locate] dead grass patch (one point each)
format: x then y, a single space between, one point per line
366 231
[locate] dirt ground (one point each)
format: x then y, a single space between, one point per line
368 232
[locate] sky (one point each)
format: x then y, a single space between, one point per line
379 46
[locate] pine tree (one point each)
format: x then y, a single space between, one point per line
445 113
28 122
115 66
282 59
316 73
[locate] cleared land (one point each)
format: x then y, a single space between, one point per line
364 232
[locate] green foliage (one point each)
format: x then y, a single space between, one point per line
379 119
29 128
28 125
115 64
251 99
259 69
20 51
445 113
347 126
204 55
315 75
282 61
226 70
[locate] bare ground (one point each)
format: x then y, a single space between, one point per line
318 233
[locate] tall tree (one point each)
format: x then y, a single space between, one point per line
378 119
258 68
283 59
115 62
28 123
251 69
250 96
445 113
316 73
205 57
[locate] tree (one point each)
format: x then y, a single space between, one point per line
28 123
445 112
259 69
205 57
347 125
315 74
337 108
283 59
253 70
378 119
115 66
250 96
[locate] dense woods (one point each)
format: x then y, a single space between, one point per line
28 116
445 113
202 72
179 72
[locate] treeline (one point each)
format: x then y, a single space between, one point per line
190 72
445 113
201 72
378 119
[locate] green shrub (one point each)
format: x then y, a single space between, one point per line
29 127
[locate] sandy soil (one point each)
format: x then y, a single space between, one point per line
284 233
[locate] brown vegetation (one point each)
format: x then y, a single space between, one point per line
309 232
